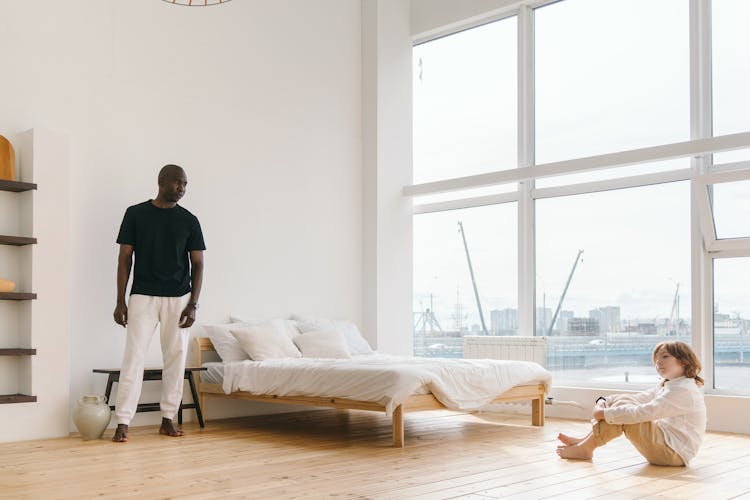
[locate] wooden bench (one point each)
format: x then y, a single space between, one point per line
156 374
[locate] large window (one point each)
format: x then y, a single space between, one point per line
731 72
732 325
611 75
623 257
445 304
465 103
465 123
596 253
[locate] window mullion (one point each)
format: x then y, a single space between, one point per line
526 241
702 230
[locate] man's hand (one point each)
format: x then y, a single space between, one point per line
124 263
121 314
187 318
598 413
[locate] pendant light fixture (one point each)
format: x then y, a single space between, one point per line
196 3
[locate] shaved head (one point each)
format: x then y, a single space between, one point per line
169 171
172 183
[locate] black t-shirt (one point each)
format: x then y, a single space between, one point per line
162 239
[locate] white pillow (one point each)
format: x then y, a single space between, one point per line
287 326
225 344
322 345
265 342
355 342
233 318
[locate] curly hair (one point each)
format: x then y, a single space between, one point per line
684 355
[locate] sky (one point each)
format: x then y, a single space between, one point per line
611 75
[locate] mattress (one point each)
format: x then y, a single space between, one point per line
214 374
459 384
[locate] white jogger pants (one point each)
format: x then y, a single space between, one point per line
145 313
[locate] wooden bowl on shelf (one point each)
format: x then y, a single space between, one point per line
7 160
6 285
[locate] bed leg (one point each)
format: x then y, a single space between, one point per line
537 411
398 427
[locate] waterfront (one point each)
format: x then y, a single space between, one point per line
615 360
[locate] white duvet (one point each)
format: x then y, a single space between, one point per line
459 384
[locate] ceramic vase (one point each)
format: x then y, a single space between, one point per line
91 416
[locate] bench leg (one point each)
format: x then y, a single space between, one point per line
108 391
398 427
196 399
202 400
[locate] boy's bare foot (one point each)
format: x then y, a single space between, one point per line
168 429
569 440
575 452
580 451
121 434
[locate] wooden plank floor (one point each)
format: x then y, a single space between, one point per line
347 454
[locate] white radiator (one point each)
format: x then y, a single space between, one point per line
504 347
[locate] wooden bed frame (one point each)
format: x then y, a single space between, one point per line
418 402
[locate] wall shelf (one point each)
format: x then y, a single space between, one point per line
17 241
16 398
16 186
17 351
17 296
35 334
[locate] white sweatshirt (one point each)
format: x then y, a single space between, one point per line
678 408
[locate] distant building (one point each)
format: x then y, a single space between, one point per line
722 319
495 321
503 321
562 321
608 318
543 318
583 326
646 328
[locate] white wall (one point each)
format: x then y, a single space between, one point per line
387 161
260 102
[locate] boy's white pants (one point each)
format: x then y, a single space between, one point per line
145 313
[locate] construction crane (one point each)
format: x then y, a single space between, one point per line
562 297
426 319
473 281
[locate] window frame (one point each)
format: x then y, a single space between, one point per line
701 173
731 172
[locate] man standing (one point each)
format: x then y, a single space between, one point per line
168 245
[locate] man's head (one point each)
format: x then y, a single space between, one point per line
172 183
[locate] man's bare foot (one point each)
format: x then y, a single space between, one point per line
168 429
121 434
569 440
580 451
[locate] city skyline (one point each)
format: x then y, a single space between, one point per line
506 319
